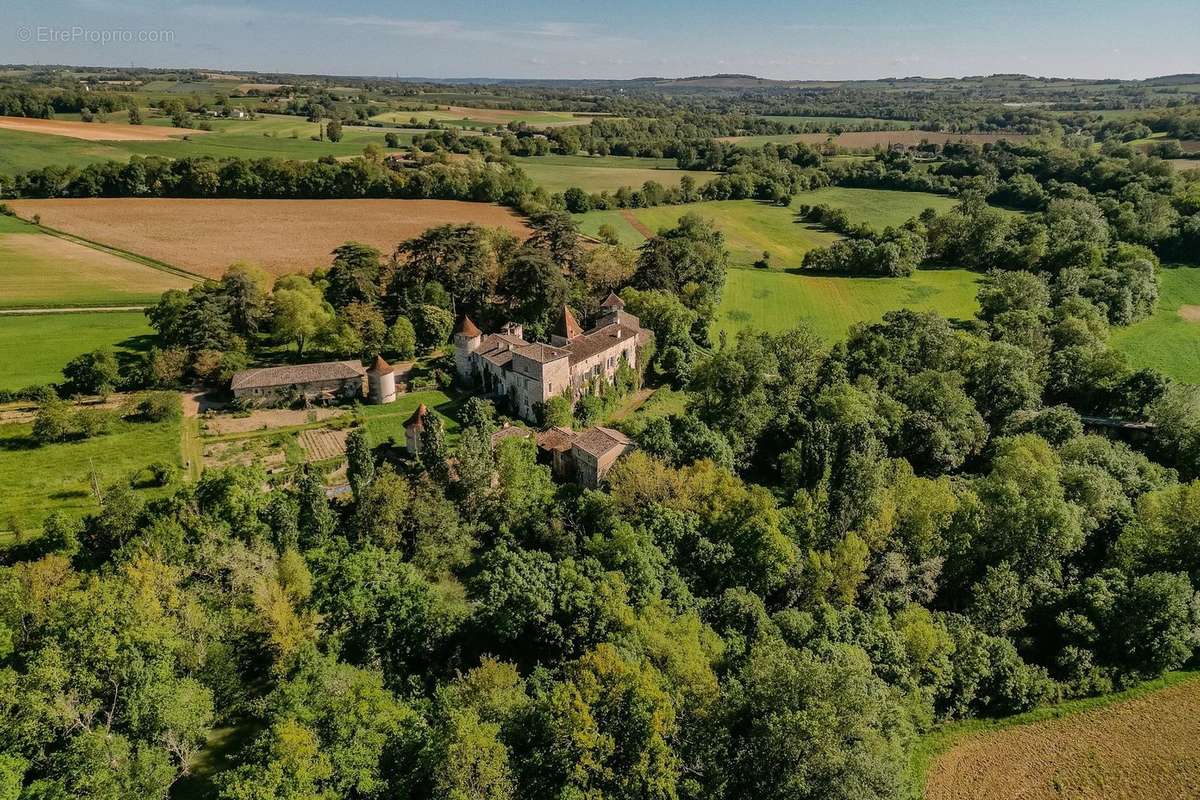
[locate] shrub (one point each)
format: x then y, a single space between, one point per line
163 472
54 422
159 406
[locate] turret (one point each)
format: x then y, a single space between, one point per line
467 339
566 329
381 382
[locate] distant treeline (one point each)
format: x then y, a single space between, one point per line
44 103
274 178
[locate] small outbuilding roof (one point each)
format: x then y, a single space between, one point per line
417 420
599 440
612 301
294 374
379 366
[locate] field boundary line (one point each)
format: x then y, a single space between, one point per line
145 261
35 310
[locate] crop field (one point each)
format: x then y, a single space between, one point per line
274 135
794 120
206 236
1170 339
866 140
35 480
772 301
34 348
1185 163
1143 747
608 173
750 227
93 131
467 117
40 271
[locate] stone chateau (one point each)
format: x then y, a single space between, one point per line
527 374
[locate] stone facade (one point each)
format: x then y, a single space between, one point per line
583 456
328 381
527 374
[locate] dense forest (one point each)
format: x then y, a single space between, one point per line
826 552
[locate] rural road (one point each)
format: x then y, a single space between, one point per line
69 310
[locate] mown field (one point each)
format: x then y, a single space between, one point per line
1170 339
38 270
35 480
206 236
1140 745
751 227
774 301
877 207
607 173
35 347
276 135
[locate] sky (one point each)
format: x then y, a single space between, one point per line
796 39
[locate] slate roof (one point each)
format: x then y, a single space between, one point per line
294 374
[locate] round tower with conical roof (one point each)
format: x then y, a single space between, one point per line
467 338
381 382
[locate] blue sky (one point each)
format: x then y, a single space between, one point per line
615 39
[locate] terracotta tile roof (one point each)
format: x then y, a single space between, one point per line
612 301
467 328
417 420
599 440
379 366
267 377
541 353
601 339
568 327
556 438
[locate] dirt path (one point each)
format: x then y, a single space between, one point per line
637 224
1142 748
70 310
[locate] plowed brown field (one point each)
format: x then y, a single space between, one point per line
206 236
94 131
1139 749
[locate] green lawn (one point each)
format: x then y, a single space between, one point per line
35 347
1167 341
387 421
877 207
750 227
40 270
775 301
608 173
35 480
